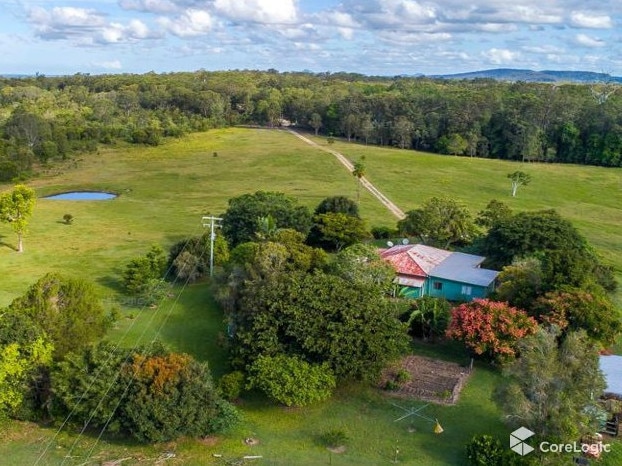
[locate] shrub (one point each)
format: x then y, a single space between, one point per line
382 232
490 328
188 266
231 385
68 219
154 291
402 376
141 270
291 381
159 396
485 450
391 385
334 438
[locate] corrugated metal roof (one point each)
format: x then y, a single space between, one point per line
611 366
422 261
404 264
464 268
427 257
412 282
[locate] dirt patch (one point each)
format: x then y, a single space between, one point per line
251 441
427 379
210 441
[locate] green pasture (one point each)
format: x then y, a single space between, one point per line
165 190
590 197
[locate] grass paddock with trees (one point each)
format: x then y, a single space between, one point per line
165 190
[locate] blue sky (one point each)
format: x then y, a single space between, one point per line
384 37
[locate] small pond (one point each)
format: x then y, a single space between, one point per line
82 196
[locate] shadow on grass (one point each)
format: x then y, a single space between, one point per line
4 244
447 350
196 326
111 282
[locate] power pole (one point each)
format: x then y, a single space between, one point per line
214 222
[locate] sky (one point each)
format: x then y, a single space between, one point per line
371 37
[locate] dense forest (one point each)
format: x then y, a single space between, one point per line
44 118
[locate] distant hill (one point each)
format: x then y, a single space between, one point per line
545 76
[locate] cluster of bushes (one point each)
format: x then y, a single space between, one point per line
147 392
53 368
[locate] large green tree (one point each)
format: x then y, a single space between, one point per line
550 388
361 263
17 365
16 208
565 257
495 212
241 220
575 309
337 230
338 205
321 318
26 356
439 222
520 283
67 309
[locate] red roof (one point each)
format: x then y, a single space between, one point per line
417 260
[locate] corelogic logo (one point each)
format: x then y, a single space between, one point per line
517 441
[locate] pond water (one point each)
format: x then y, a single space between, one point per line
82 196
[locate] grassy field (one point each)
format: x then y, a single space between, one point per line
590 197
165 190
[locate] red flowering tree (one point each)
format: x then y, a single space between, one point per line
490 328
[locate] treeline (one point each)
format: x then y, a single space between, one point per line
44 118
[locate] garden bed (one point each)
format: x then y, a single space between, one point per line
425 379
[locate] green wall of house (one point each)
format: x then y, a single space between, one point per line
442 288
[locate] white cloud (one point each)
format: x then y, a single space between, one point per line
191 23
346 33
501 56
151 6
412 11
115 33
258 11
383 34
533 15
64 22
85 27
413 37
341 19
588 41
543 48
583 20
497 27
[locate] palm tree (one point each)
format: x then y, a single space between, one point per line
430 315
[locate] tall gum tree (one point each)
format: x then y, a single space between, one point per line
16 207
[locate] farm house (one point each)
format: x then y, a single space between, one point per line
424 270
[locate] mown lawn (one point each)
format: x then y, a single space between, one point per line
164 191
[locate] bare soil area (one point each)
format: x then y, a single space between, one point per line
429 379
